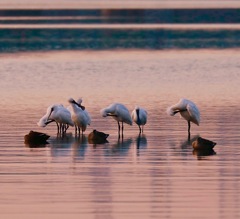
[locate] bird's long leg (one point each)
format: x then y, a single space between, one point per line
66 127
189 126
118 128
75 129
140 130
58 128
122 128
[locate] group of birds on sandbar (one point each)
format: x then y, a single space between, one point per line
76 115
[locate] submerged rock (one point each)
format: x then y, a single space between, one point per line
36 138
203 144
96 137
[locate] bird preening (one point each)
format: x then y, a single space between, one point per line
118 112
188 110
59 114
139 116
76 115
80 117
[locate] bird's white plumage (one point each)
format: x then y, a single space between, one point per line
79 116
89 120
118 111
61 115
79 101
58 113
42 122
139 118
187 109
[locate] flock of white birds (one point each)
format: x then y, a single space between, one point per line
76 115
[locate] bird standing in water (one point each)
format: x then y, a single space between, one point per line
139 116
59 114
78 116
119 113
188 110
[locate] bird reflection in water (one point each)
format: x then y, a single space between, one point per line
60 145
121 147
79 147
188 143
141 142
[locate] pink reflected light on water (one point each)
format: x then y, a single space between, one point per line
156 175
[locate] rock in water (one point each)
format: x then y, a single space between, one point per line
96 137
203 144
36 138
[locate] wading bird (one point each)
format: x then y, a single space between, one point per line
59 114
79 104
139 116
188 110
79 117
79 101
118 112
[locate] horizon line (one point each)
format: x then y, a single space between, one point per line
118 4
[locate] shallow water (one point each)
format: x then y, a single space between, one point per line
157 175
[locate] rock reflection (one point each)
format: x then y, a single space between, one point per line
30 145
202 153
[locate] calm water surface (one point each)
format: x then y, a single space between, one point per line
156 175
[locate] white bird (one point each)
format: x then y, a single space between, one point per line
139 116
188 110
79 101
79 104
78 116
118 112
44 121
60 115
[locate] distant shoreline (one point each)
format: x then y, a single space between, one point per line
147 16
118 4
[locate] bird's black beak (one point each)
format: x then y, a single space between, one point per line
49 121
73 101
50 114
79 105
175 112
